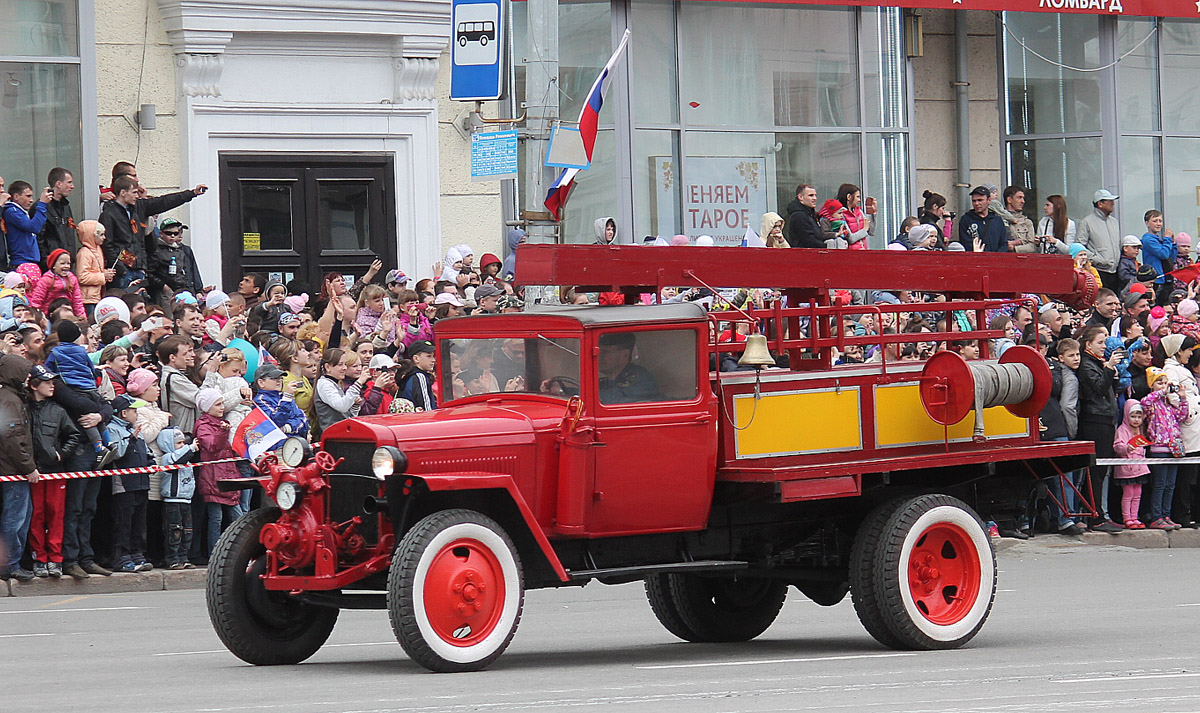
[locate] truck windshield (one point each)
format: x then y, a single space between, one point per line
517 364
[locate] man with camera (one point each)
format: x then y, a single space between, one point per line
21 227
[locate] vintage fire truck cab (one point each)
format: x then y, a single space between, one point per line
607 443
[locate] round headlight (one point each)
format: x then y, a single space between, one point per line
287 495
294 452
388 460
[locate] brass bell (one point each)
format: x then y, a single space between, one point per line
756 353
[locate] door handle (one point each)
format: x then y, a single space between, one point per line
703 418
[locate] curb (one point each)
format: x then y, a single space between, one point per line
167 579
153 581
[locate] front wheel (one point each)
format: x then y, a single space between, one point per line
455 591
259 626
923 573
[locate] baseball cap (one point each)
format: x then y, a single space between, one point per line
381 361
447 299
421 346
394 276
268 371
1131 241
980 191
485 291
41 373
171 223
1104 195
125 401
111 308
1133 298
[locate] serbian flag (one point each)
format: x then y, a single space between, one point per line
264 357
256 434
589 117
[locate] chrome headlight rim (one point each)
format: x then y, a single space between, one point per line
288 494
387 461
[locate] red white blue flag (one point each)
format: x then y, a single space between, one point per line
589 118
256 434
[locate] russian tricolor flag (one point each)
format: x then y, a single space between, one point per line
589 118
256 434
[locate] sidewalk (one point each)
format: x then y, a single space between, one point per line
161 579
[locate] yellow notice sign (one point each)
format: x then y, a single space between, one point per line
251 241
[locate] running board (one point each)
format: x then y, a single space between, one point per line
632 573
344 600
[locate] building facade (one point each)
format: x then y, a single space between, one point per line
325 130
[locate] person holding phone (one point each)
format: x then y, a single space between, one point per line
858 224
24 217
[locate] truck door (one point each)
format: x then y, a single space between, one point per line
655 440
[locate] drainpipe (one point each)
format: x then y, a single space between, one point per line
962 107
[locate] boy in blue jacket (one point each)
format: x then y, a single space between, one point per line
178 487
130 492
20 228
278 401
71 362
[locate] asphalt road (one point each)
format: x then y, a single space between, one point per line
1092 629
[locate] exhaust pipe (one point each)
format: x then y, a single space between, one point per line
373 505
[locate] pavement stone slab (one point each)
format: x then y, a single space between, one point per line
1137 539
1184 538
185 578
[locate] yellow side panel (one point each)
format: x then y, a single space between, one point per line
900 420
797 422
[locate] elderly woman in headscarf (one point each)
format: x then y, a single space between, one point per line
771 230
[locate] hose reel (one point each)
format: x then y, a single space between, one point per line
951 387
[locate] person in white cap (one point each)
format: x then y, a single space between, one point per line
1127 265
1100 233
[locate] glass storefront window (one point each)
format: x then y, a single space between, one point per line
883 68
40 116
1044 98
39 28
887 175
746 66
1067 167
656 187
1181 65
1141 157
1182 210
654 80
1137 74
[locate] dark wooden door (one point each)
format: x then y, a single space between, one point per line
304 216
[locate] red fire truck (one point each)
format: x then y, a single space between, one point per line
606 443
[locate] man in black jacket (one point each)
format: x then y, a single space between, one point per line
173 265
16 458
125 219
803 227
59 230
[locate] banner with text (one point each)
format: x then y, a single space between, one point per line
722 197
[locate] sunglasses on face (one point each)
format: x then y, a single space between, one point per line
173 233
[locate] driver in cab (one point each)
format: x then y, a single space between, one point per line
622 381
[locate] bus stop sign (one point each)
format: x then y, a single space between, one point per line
477 34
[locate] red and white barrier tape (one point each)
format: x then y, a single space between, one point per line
1148 461
78 474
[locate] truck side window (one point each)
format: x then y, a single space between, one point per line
641 367
517 364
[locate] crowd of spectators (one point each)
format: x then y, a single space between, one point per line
116 353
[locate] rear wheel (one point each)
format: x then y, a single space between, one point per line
716 609
259 626
924 575
662 603
455 591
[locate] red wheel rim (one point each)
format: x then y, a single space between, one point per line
943 574
464 592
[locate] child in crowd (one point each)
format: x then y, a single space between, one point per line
58 282
377 393
114 370
230 379
55 438
372 303
70 361
216 314
1083 260
1183 251
1131 442
177 488
277 400
1165 412
416 375
129 491
1127 265
213 434
265 315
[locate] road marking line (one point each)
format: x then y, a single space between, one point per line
55 611
1197 604
757 662
21 636
72 600
326 646
1118 679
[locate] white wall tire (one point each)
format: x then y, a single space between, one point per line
929 577
455 591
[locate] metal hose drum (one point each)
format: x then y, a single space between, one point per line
951 387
